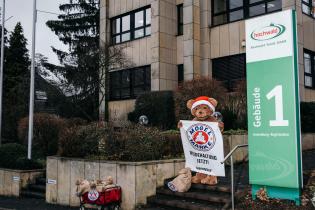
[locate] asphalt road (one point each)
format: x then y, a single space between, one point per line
7 203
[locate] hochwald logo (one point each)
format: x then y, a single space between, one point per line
268 32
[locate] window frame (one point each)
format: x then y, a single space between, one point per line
132 25
309 4
312 74
146 83
246 7
180 22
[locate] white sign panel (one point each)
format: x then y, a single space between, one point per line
203 147
16 178
51 181
269 37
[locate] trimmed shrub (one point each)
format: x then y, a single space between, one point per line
81 141
132 143
308 117
158 107
140 143
46 132
13 156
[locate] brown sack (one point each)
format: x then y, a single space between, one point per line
182 182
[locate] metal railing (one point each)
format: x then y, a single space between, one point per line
230 155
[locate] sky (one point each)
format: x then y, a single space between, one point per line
22 11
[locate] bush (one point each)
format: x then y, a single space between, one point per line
308 117
202 86
140 143
158 107
81 141
45 133
13 156
132 143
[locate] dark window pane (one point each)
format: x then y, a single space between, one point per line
229 69
219 6
125 79
180 20
115 94
138 77
148 16
125 93
139 21
220 19
115 79
139 33
126 23
273 6
236 3
236 15
125 37
180 69
148 30
180 15
148 78
257 10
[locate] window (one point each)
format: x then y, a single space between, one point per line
129 83
180 21
229 70
225 11
180 69
308 7
309 69
133 25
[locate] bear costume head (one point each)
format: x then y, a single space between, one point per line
202 107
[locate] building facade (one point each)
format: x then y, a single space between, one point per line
169 41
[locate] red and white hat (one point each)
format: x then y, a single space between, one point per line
203 100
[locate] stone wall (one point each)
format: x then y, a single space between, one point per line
12 181
138 180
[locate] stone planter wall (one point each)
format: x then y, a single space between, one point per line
137 179
12 181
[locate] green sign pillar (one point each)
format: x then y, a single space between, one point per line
274 135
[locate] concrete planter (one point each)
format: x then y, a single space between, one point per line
137 179
12 181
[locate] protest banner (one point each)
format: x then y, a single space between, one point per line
203 147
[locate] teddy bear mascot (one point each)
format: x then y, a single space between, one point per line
203 108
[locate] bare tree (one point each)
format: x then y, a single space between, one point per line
111 58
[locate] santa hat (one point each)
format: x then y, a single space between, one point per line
203 100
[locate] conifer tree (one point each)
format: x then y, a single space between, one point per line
16 82
78 27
